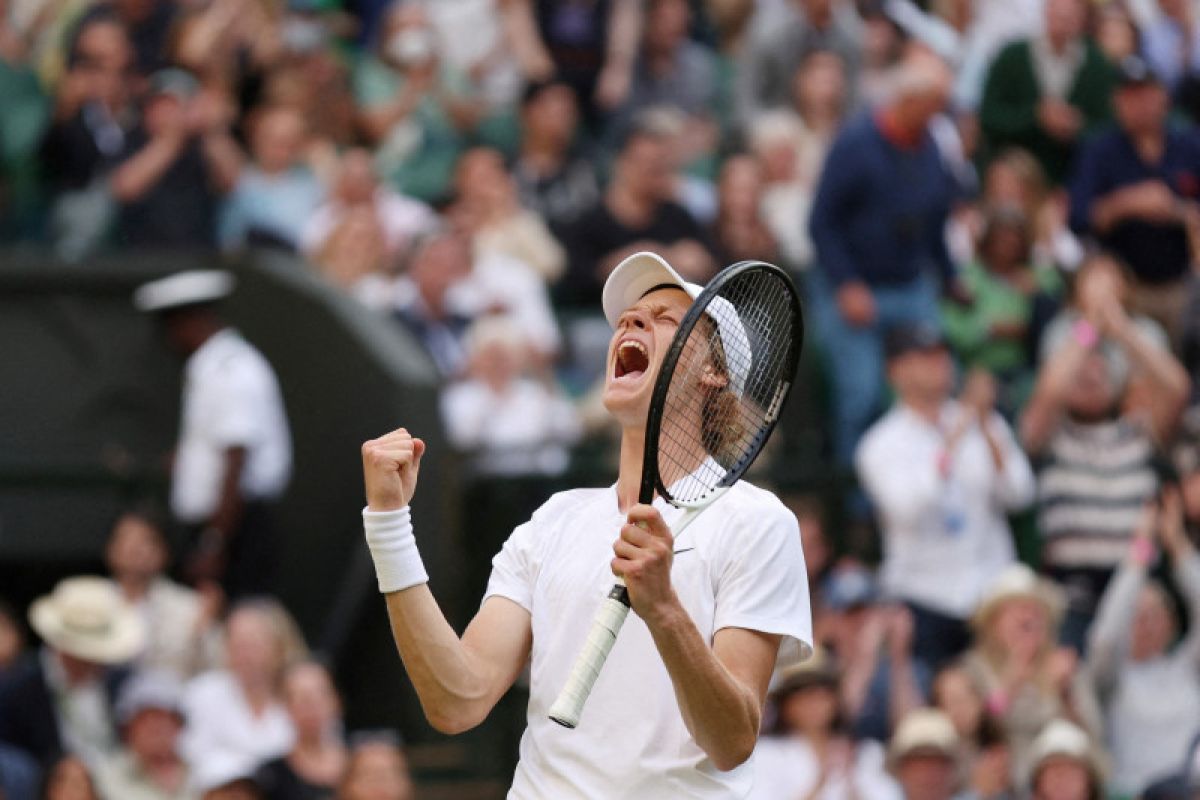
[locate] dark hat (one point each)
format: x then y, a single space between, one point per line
909 336
1134 71
176 82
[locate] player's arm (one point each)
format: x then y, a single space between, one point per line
457 680
720 689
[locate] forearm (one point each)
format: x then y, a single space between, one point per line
720 712
1049 395
624 31
224 158
228 513
138 175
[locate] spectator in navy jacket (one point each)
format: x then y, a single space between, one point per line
878 225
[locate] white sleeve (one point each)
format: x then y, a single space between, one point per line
904 488
763 586
1015 485
514 568
237 399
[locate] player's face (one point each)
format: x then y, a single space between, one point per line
637 350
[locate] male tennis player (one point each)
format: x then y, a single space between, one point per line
676 710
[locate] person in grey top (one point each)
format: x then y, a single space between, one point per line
1150 690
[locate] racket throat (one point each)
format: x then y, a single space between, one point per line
620 593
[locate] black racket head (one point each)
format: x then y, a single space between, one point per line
723 383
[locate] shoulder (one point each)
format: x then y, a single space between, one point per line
1013 52
22 678
886 431
568 504
208 687
747 504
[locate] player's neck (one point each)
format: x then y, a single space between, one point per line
629 471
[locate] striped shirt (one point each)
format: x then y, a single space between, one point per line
1094 479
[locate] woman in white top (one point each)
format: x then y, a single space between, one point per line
238 711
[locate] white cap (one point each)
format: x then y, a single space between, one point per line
1066 740
183 289
641 272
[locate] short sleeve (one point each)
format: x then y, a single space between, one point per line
764 584
513 568
234 402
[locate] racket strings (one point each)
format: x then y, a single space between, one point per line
727 385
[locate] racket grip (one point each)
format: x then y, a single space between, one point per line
607 623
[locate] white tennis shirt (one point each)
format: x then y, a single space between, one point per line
739 565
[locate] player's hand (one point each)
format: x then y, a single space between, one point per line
644 553
390 467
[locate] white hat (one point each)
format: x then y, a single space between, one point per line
1062 739
1019 582
925 730
641 272
150 689
87 618
187 288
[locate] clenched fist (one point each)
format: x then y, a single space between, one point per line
390 467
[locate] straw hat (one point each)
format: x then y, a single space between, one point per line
87 618
925 731
1019 582
816 670
1063 740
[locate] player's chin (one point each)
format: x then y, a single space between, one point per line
625 398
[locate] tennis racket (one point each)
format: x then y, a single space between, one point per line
718 395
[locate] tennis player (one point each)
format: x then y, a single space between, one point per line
676 710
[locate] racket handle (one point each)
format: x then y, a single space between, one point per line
607 623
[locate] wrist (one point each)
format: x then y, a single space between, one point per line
1142 551
393 549
666 614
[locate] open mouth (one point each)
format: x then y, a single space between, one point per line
633 359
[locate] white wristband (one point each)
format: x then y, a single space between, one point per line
393 549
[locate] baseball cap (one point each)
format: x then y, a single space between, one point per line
188 288
152 689
179 83
1134 71
641 272
908 337
924 731
849 586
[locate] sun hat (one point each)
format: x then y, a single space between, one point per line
187 288
641 272
1019 582
87 618
1062 739
816 670
922 732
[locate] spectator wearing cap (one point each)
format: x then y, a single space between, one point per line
553 177
811 753
878 222
234 454
148 766
1147 678
942 474
1065 764
60 700
924 756
1094 434
1135 188
176 165
1024 676
1043 93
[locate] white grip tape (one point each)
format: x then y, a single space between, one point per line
569 705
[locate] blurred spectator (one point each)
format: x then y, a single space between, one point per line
237 713
227 777
363 227
12 638
1132 189
471 39
60 699
20 778
148 766
986 755
93 119
276 194
590 46
553 178
878 223
739 232
1025 678
883 45
636 213
1148 682
1065 764
1013 298
1171 43
1043 93
234 455
414 107
814 539
378 770
811 753
1116 33
691 143
775 51
671 70
942 474
24 113
181 634
68 779
228 44
149 23
176 165
1096 452
924 756
317 761
487 204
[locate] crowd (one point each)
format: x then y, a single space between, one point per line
992 208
